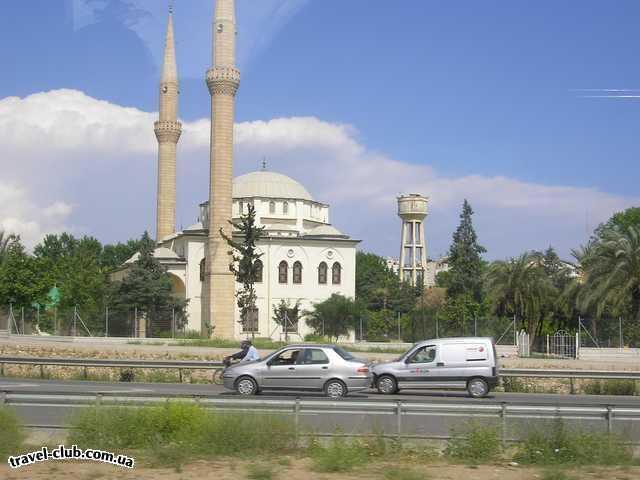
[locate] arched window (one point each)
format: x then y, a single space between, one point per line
272 207
336 274
202 269
258 269
322 273
285 208
297 273
283 272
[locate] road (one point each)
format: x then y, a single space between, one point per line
49 413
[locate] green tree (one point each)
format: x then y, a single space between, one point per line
113 256
620 220
611 280
287 316
147 287
244 261
520 287
465 261
334 317
19 281
6 240
373 279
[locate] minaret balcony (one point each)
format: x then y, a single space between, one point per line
168 131
223 80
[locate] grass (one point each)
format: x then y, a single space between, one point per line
260 471
612 387
515 385
177 432
404 474
11 434
555 474
560 446
477 443
339 456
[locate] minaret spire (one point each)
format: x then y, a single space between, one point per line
168 130
223 80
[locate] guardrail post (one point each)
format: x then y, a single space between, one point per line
84 373
609 419
399 419
99 399
41 371
296 418
3 398
180 374
572 386
503 422
2 369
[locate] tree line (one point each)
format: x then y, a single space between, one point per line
541 292
64 273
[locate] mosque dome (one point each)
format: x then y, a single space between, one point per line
268 185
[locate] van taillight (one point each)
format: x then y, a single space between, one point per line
363 370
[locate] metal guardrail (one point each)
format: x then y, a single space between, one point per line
402 417
207 365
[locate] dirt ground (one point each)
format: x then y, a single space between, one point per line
300 468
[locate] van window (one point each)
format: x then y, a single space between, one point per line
424 355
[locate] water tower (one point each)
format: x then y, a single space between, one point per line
412 209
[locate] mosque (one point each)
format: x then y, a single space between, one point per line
304 258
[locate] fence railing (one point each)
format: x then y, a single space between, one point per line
393 418
211 365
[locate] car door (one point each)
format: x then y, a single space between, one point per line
312 370
280 370
417 371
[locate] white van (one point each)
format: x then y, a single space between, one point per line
445 363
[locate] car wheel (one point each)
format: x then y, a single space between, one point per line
387 385
335 389
478 388
246 386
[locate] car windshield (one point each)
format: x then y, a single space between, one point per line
343 353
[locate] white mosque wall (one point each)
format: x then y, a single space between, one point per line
310 253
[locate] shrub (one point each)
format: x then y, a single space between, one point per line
404 474
259 471
11 434
477 443
182 427
611 387
338 456
558 446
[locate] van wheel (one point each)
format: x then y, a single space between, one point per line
335 389
478 388
387 385
246 386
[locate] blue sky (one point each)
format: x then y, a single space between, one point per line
498 101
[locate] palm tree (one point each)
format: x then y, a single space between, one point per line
6 240
520 287
612 273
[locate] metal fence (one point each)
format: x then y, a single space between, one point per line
100 321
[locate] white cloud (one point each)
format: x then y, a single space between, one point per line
20 214
100 157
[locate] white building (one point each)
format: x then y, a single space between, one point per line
304 258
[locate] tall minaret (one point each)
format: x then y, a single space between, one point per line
168 130
223 81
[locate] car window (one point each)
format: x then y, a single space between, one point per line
343 353
288 357
314 356
424 355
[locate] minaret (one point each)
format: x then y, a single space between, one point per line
223 80
168 130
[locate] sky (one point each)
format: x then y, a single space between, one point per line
527 109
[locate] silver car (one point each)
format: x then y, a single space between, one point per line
446 363
326 368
